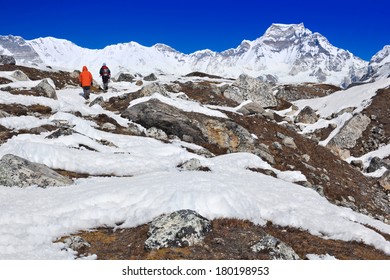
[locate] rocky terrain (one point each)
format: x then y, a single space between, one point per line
256 117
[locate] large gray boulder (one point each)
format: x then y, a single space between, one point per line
7 60
178 229
20 76
384 181
307 115
19 172
150 77
44 88
350 132
152 88
125 77
248 88
251 108
222 135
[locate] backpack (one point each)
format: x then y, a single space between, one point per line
105 71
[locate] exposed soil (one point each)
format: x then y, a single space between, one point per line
230 239
305 91
201 74
338 179
60 78
379 112
21 110
4 81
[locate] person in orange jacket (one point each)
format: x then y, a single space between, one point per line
86 81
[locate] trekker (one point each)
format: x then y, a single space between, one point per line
105 73
86 82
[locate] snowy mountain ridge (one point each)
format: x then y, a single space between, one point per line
290 52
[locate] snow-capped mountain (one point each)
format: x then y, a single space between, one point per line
289 52
19 48
379 65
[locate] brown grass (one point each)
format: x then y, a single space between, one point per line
229 239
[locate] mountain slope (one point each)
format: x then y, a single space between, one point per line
213 159
379 65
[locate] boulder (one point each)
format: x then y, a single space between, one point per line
19 172
220 134
248 88
289 142
251 109
375 164
7 60
150 78
384 181
156 134
44 88
193 164
76 243
19 76
350 132
276 249
178 229
149 90
64 130
125 77
307 115
4 114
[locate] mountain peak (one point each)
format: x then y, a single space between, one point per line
382 55
279 31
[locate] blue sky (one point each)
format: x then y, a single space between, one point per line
362 27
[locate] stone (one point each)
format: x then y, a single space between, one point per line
125 77
384 181
276 249
193 164
375 164
350 132
156 133
197 128
153 88
248 88
64 130
19 76
150 78
178 229
19 172
307 115
7 60
76 243
44 88
251 108
108 126
289 142
4 114
98 100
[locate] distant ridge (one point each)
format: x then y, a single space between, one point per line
289 53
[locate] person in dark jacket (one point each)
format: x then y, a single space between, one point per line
105 73
86 81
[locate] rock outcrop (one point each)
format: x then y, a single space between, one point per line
19 172
7 59
248 88
178 229
44 88
307 115
219 134
350 133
